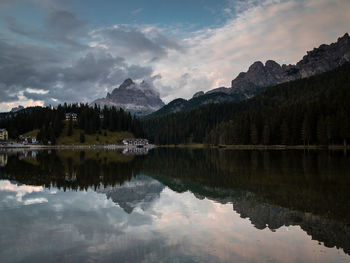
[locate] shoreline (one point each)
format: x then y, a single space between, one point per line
189 146
76 146
258 147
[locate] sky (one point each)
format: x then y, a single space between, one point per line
56 51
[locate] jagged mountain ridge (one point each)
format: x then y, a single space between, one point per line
319 60
260 76
139 99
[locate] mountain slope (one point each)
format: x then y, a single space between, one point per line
139 99
178 105
311 110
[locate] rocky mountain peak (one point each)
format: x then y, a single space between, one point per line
271 64
126 83
316 61
256 66
139 99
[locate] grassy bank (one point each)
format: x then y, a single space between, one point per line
105 137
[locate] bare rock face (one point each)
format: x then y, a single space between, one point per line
259 76
139 99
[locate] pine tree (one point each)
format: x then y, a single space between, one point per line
266 134
285 134
306 131
70 127
254 134
82 137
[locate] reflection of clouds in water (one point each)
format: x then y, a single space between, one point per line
35 201
87 225
211 231
19 190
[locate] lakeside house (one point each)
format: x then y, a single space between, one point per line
135 142
4 135
71 116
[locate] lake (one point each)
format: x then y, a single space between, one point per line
174 205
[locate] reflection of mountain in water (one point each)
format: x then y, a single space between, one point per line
271 188
261 214
141 191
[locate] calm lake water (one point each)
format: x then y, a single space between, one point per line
175 205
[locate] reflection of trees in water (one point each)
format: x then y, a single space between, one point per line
271 188
316 182
284 188
74 171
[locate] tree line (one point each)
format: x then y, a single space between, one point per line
314 110
50 121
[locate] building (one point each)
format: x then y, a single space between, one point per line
4 135
70 115
135 142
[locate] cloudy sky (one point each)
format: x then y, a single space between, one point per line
54 51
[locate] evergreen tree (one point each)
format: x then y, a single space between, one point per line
82 137
70 127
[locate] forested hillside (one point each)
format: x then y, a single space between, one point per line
314 110
50 122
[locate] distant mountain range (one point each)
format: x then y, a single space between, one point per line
139 99
260 76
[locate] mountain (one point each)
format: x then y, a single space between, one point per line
319 60
307 111
139 99
260 76
178 105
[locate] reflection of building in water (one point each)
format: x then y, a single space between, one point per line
4 135
27 154
135 142
71 177
3 159
135 151
28 139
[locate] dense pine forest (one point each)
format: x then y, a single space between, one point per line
314 110
50 121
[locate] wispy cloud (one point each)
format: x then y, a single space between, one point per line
282 30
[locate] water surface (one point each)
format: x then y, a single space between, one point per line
174 205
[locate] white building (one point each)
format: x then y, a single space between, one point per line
135 142
70 115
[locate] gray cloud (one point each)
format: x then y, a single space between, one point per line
62 4
132 41
41 74
60 27
65 26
